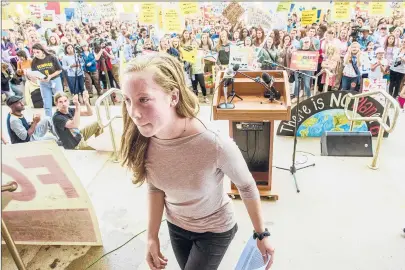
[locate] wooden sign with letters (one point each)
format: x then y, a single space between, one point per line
50 206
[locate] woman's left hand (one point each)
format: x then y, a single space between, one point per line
266 250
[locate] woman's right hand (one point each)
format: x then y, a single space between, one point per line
154 257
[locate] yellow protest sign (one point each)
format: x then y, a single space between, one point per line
171 19
309 17
284 6
147 13
189 56
377 8
341 11
187 8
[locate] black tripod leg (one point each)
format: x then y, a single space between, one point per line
238 96
296 184
231 98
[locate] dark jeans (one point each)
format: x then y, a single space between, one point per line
199 79
351 83
78 87
91 78
395 83
199 251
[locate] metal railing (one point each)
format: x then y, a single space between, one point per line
104 100
325 86
5 233
390 102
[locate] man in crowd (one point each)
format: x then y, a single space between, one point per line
20 130
67 122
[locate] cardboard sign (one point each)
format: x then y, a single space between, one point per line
325 112
127 17
50 206
48 19
107 10
304 60
341 11
233 12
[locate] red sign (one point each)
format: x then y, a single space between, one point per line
304 60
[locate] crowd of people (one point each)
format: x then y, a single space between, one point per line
84 59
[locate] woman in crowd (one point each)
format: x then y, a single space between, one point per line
165 47
397 70
248 42
24 63
54 42
343 44
259 37
352 68
160 114
185 40
223 48
49 66
269 55
73 64
243 34
197 72
90 70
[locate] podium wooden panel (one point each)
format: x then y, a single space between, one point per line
254 108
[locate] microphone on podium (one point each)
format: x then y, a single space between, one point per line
270 92
228 79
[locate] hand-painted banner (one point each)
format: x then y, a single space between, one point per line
171 20
325 112
188 8
304 60
147 13
50 206
309 17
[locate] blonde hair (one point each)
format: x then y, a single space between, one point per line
167 72
348 56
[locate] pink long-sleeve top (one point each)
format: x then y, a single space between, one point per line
190 172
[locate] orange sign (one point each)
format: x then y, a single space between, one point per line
304 60
50 206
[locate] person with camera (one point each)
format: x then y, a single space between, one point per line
90 70
72 63
103 58
397 70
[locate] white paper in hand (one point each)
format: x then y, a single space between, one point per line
251 258
35 74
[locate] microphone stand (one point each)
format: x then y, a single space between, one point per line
257 80
233 93
292 168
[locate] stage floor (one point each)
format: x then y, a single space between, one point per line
346 216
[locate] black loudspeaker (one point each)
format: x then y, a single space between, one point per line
355 144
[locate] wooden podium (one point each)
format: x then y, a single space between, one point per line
251 122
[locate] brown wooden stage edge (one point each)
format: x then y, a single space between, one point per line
251 123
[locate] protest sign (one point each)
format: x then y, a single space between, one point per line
53 6
240 56
309 17
147 13
284 7
48 19
259 17
107 10
171 20
377 8
233 12
341 11
69 13
188 8
50 206
375 85
211 56
189 56
304 60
